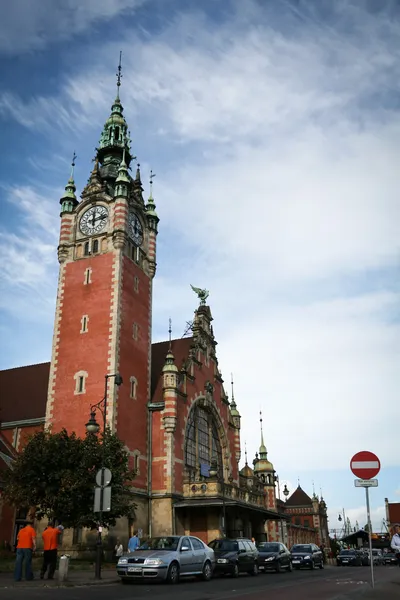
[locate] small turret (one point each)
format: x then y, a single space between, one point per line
151 215
123 181
170 388
68 201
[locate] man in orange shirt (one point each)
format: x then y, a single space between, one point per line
50 544
26 545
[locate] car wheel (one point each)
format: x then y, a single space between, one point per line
173 573
207 571
290 567
278 568
312 565
235 572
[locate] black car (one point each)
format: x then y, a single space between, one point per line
235 556
390 558
273 556
349 557
307 555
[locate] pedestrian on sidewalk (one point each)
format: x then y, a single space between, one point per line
50 545
133 542
26 545
119 549
395 543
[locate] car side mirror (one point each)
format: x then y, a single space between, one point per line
281 551
185 549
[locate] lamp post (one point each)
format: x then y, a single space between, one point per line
214 472
93 427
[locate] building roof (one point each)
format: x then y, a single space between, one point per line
299 498
180 349
24 392
394 512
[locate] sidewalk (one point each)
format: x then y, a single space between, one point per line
75 578
384 590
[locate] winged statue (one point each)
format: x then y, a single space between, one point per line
202 294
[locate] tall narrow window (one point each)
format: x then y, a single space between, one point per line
86 249
136 284
136 463
95 248
135 331
88 276
84 324
80 382
117 133
133 388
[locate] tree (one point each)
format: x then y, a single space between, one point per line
55 474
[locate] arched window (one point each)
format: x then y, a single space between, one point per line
95 246
202 444
86 249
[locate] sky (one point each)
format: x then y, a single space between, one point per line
273 128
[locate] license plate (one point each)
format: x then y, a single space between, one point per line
261 568
295 562
134 570
221 561
345 561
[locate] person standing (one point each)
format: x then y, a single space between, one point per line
26 545
119 549
133 542
50 545
395 543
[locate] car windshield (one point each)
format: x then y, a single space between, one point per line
224 545
301 548
268 547
160 543
347 552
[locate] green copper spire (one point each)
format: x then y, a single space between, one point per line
263 449
114 137
234 410
151 214
69 201
123 181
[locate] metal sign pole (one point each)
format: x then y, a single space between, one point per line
370 536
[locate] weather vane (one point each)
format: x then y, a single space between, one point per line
119 74
74 157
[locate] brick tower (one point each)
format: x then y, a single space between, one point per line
107 256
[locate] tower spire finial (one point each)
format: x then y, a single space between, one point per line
74 157
119 74
152 175
233 395
245 452
263 449
170 333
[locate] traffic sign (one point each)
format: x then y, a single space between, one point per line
365 465
366 483
103 476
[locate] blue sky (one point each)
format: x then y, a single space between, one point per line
274 129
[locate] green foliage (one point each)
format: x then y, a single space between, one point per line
55 473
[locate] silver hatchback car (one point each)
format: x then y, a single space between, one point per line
168 558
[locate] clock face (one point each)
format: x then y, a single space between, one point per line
135 229
93 220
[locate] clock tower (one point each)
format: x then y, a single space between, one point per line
107 256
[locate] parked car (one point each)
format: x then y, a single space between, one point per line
168 558
378 557
273 556
349 557
364 554
234 556
307 555
390 558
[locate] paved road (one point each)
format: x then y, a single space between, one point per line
331 583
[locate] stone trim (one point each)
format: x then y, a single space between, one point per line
55 346
114 337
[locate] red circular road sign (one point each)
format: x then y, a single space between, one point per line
365 465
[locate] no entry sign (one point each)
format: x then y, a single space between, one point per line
365 465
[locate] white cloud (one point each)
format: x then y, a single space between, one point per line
26 26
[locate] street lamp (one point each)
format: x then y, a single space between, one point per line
93 427
286 492
214 472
